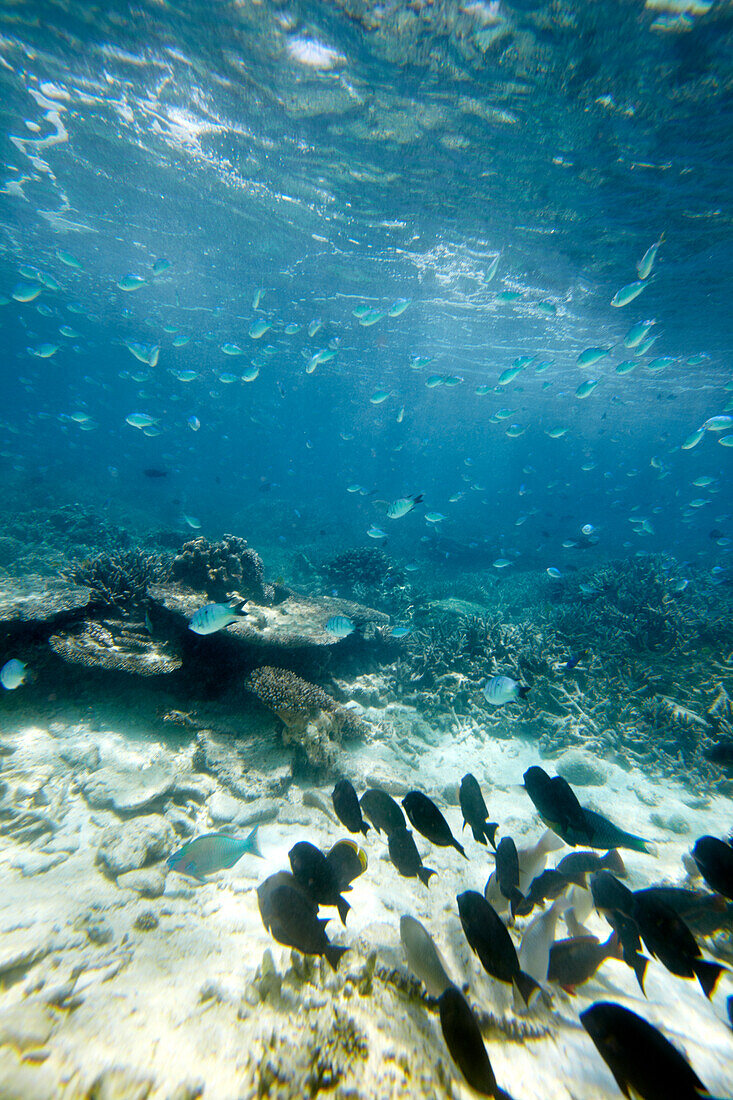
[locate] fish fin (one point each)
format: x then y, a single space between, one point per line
613 862
613 947
523 690
425 874
490 828
252 845
639 964
478 835
459 848
707 973
526 986
333 955
519 905
364 828
343 908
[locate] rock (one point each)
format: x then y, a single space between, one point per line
40 599
36 863
146 921
193 788
10 549
180 821
134 845
148 883
27 1025
672 823
581 769
98 929
17 955
82 754
388 782
188 1090
228 760
128 790
120 1083
23 1081
223 809
118 646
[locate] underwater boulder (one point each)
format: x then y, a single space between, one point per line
116 645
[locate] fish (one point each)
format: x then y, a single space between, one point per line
258 328
401 507
213 617
720 423
312 870
616 902
627 294
26 292
379 396
212 852
574 961
69 259
537 939
492 268
291 917
404 855
604 834
194 423
375 532
557 804
382 810
347 861
490 941
554 573
232 349
398 307
465 1044
637 333
643 1062
348 810
423 957
131 282
501 563
557 433
508 375
546 886
474 811
585 389
693 439
703 913
507 872
500 690
591 356
578 865
14 674
153 472
425 816
714 859
626 367
668 939
575 660
646 263
400 632
340 626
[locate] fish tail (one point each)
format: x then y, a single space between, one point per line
526 986
252 845
613 947
343 908
523 690
490 832
613 862
635 843
364 828
425 874
333 955
707 973
459 848
519 905
638 964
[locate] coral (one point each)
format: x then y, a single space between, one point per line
38 599
362 565
118 646
312 719
119 580
223 568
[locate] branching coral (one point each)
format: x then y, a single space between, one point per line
312 719
119 580
223 568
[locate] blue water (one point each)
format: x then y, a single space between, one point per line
338 159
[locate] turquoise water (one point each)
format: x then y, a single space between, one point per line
430 304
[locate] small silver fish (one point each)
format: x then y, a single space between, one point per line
14 673
213 617
340 626
502 689
423 956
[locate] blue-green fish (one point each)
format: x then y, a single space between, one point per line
131 282
625 367
508 375
379 396
627 294
660 363
161 266
14 673
398 307
637 333
585 389
212 852
434 380
482 391
250 373
181 340
231 349
26 292
646 263
718 423
400 631
213 617
592 355
492 268
315 326
259 328
69 259
140 420
340 626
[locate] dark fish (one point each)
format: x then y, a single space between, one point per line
489 939
347 861
507 872
608 894
578 865
616 902
575 660
474 811
429 821
641 1060
575 961
729 1008
315 874
714 859
348 810
544 887
667 938
152 471
291 917
466 1046
716 533
703 913
405 856
557 805
382 811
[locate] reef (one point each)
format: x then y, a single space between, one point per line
119 580
37 599
311 718
116 645
222 569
